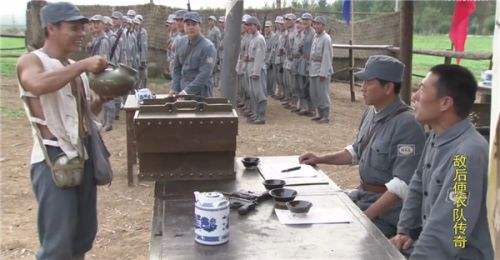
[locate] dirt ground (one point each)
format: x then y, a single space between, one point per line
125 212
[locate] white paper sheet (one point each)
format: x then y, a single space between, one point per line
305 175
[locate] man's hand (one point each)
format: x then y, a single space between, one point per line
321 78
95 64
309 158
402 241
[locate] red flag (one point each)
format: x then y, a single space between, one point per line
460 23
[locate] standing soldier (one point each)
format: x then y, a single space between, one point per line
296 56
171 31
270 36
108 26
320 71
178 40
244 95
287 64
256 73
221 24
279 55
142 48
117 44
136 55
195 60
101 46
214 35
306 107
131 14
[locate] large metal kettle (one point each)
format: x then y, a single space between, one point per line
115 80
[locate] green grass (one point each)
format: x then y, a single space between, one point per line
422 63
14 113
7 62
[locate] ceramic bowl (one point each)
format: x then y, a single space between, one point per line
273 184
299 206
250 162
282 195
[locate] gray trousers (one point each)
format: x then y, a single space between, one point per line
287 83
320 95
387 223
258 95
304 96
109 112
67 218
271 80
240 88
279 77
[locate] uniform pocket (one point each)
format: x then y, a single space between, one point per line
379 156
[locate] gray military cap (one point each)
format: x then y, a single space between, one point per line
222 19
170 18
60 12
192 16
179 14
252 20
97 17
290 16
321 20
268 24
306 16
117 15
213 18
382 67
245 17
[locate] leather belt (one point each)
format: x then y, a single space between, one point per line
377 188
317 60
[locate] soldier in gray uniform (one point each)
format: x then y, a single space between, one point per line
279 55
447 195
291 33
100 43
214 35
296 60
178 40
306 107
244 95
320 71
387 147
142 49
255 71
270 38
195 60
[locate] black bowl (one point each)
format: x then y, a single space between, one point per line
299 206
283 194
250 161
273 184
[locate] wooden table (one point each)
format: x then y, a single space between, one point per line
259 235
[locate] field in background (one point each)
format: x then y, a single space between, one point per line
421 63
8 58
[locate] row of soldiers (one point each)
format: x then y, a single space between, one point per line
293 63
120 39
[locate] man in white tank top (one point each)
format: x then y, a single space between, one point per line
53 87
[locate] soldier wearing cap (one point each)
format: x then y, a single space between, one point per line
171 31
221 25
289 79
178 40
305 103
279 55
447 195
58 102
320 71
100 43
387 147
255 71
195 60
295 61
117 54
131 14
270 38
142 50
243 90
108 25
214 35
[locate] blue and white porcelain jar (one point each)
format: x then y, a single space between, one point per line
211 218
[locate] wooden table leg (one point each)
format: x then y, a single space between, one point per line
131 147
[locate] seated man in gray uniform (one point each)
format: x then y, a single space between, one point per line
387 147
447 195
194 60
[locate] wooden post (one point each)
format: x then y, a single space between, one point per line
406 42
351 73
231 44
447 60
34 32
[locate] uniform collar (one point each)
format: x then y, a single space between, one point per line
195 40
390 109
452 133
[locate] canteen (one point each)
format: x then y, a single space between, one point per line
211 218
114 81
